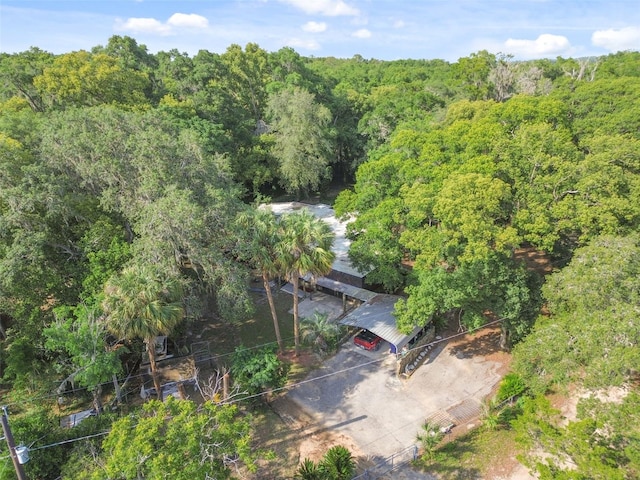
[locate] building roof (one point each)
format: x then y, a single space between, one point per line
358 293
376 315
341 243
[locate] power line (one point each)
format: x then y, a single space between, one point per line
294 385
71 440
139 375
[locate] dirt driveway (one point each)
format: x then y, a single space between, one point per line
356 394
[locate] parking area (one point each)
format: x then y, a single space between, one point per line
358 394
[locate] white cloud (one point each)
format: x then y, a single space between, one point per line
329 8
144 25
617 40
545 45
314 27
362 33
398 24
190 20
151 25
303 44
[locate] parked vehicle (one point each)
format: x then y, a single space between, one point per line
367 340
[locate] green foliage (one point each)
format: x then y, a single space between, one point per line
600 444
589 337
81 337
320 332
309 470
305 249
142 302
336 464
258 370
39 427
303 139
118 155
82 78
430 437
259 235
18 71
511 385
497 284
176 438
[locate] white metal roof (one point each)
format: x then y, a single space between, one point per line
376 315
341 243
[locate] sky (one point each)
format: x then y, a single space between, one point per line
380 29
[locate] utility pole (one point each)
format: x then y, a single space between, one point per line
12 446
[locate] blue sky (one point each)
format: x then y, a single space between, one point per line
382 29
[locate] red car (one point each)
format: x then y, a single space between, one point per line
367 340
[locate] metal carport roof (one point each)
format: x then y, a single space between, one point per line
376 315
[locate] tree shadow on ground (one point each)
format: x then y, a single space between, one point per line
479 344
448 461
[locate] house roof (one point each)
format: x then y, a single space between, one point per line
358 293
376 315
341 243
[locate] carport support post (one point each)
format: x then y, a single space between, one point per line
344 303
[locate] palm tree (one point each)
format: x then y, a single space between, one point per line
318 330
309 470
140 303
305 249
259 247
338 463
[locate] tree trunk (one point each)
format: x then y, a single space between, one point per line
116 386
274 315
296 321
151 349
97 399
505 338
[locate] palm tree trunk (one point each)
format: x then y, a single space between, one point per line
296 320
272 306
151 348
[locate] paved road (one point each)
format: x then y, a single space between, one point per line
357 393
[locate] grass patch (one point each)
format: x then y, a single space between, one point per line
258 329
272 434
477 454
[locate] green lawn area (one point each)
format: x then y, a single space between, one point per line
258 329
480 453
255 330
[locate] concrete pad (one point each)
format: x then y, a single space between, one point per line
358 394
321 303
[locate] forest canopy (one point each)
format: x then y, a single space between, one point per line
453 173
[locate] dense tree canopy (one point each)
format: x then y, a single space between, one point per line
117 157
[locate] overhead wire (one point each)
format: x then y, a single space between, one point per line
129 377
297 384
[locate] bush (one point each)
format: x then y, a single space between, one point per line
511 385
337 464
259 370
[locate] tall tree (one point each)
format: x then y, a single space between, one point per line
305 249
258 245
304 141
81 78
80 335
177 439
141 303
591 336
17 72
